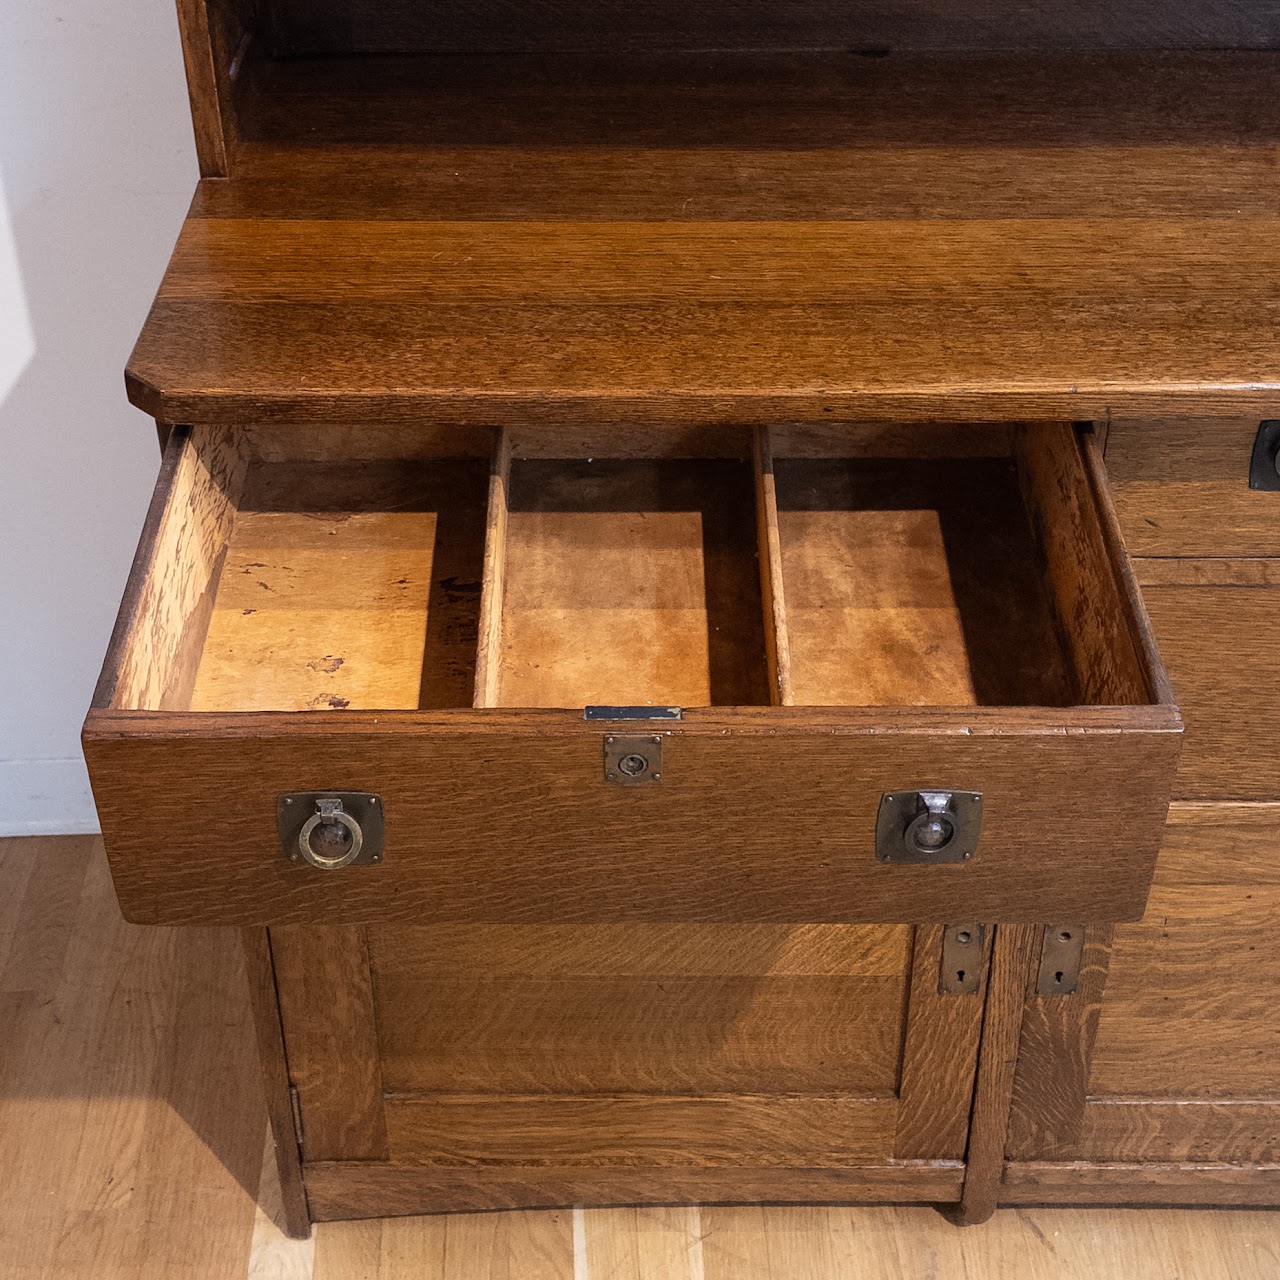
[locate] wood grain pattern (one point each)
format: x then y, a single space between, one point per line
653 212
793 839
656 1035
131 1121
1181 488
205 41
283 1136
1120 1183
1012 956
314 612
1181 1066
791 785
159 633
1101 617
1155 1131
490 1246
768 1243
797 135
939 1058
698 308
330 1034
906 580
630 582
85 1053
1225 679
629 950
1055 1057
369 1189
653 1133
494 573
777 638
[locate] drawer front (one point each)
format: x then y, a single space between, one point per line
1181 488
516 824
1215 621
874 611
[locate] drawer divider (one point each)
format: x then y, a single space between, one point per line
494 573
777 641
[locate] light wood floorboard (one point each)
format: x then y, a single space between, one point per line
132 1146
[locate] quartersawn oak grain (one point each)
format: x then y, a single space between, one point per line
1173 1063
805 780
642 262
1213 620
376 1190
1181 488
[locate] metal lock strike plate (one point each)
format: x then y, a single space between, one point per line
631 759
928 826
1061 956
961 969
331 829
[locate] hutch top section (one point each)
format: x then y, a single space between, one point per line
663 213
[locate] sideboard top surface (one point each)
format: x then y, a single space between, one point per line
678 237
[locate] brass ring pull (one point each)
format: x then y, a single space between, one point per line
330 813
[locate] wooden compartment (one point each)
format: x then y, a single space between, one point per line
627 581
833 615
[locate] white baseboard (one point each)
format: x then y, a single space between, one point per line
46 798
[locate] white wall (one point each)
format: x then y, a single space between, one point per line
96 167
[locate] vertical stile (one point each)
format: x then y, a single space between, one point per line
777 645
491 590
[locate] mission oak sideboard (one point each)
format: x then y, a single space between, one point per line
709 605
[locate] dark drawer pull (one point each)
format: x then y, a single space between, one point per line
1264 466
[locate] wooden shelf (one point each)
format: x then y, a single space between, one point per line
714 238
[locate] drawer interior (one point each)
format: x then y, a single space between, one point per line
851 566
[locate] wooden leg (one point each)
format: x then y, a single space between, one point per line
275 1080
1011 961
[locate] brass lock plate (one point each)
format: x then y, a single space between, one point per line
632 760
1061 956
961 971
928 826
331 829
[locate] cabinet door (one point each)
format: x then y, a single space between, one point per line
471 1067
1159 1080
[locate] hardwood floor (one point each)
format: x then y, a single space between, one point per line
132 1134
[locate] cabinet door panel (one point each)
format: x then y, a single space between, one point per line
1177 1054
471 1066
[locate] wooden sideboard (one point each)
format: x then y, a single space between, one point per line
693 553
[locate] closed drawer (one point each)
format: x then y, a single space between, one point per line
836 614
1181 488
1215 620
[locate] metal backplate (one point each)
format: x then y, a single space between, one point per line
1263 466
632 713
295 809
961 959
632 760
928 826
1060 958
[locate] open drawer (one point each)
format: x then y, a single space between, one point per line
821 618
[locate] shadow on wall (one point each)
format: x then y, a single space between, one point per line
17 342
98 165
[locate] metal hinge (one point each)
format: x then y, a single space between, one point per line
295 1106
